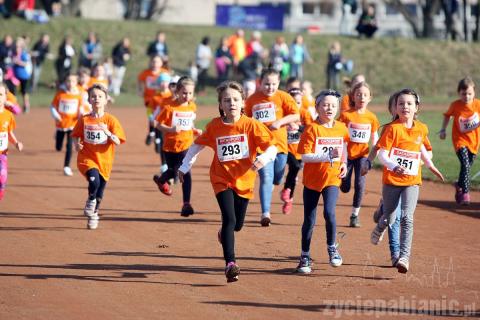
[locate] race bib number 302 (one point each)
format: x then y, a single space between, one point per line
469 124
410 160
183 120
3 141
93 134
359 132
232 147
264 112
325 146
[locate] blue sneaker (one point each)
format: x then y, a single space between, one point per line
335 257
305 265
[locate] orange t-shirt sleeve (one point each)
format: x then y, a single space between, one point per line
117 129
206 139
263 136
307 141
386 139
12 124
289 105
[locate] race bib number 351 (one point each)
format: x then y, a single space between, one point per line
325 146
264 112
94 134
410 160
232 147
469 124
359 132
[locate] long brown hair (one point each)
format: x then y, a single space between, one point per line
228 85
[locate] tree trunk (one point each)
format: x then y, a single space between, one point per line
429 10
400 7
477 23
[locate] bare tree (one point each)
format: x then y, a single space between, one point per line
72 7
134 9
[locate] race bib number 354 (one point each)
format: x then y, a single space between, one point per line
93 134
325 146
410 160
232 147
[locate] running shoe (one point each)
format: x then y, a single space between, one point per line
163 187
304 265
334 256
285 194
232 270
187 209
89 209
354 221
402 265
465 199
287 206
93 221
265 221
377 235
67 171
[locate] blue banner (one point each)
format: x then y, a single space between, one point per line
261 17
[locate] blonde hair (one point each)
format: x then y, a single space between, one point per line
351 94
183 82
97 86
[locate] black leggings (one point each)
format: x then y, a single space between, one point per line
294 165
159 146
233 208
174 161
59 144
466 160
359 185
96 186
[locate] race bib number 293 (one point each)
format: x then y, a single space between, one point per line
233 147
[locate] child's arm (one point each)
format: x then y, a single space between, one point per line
13 139
427 160
55 115
189 160
389 163
284 121
164 128
442 132
78 144
343 166
269 155
109 134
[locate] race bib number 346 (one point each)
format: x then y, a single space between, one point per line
325 146
232 147
410 160
94 134
264 112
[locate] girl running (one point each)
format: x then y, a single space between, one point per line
275 109
465 134
176 121
345 103
96 135
400 151
235 140
6 135
65 110
362 127
323 146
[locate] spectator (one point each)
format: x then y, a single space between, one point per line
7 47
334 65
237 46
255 44
298 55
349 8
279 56
22 68
203 57
250 66
367 24
40 52
5 9
120 55
63 64
223 60
91 53
158 47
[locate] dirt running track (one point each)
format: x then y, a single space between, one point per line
146 262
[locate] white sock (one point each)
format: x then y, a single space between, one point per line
355 211
266 214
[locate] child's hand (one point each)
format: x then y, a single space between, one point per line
78 146
19 146
180 175
257 164
175 129
197 131
436 172
442 134
399 170
343 170
275 125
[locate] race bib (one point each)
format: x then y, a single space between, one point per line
325 146
232 147
93 134
293 136
469 124
183 120
407 159
151 83
69 106
3 141
264 112
359 132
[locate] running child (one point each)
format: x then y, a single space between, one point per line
323 146
275 109
11 104
362 127
401 152
294 160
345 103
83 85
65 110
6 135
96 136
147 85
177 124
465 134
235 140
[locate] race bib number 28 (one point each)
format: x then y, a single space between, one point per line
232 147
325 146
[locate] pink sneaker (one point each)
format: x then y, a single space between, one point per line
285 195
287 207
232 270
465 199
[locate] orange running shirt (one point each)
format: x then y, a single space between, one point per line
293 136
235 147
103 82
7 125
98 150
361 128
183 117
345 104
68 107
269 109
403 145
466 124
159 99
318 139
150 84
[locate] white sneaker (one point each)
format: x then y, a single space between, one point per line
89 210
402 265
265 220
377 235
93 221
334 256
67 171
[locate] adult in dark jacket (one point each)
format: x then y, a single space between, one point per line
64 62
120 55
40 52
158 47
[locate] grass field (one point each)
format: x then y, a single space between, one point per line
430 67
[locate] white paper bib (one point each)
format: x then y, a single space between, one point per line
410 160
264 112
469 124
183 120
232 147
324 147
93 134
359 132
